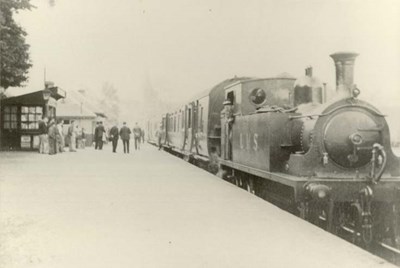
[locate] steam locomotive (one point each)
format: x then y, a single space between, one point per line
329 162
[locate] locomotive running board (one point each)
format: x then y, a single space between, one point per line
286 179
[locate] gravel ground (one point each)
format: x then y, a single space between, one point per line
148 209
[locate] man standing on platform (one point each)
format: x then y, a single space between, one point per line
143 135
53 137
159 135
61 140
125 134
72 137
43 138
98 136
114 138
137 133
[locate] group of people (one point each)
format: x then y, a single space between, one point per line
125 134
52 138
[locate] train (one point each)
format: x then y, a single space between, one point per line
328 161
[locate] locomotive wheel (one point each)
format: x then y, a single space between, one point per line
389 231
356 213
316 213
302 211
250 185
236 180
186 158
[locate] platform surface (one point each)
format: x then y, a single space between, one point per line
148 209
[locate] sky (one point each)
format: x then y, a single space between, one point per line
186 46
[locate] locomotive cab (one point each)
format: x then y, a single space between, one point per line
251 95
251 126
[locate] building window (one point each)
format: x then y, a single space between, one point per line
52 112
10 118
30 116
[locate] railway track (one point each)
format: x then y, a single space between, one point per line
381 249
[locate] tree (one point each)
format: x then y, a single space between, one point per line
110 102
14 51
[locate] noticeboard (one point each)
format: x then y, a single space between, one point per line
25 141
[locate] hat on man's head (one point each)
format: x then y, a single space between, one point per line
227 102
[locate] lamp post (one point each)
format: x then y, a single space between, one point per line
46 97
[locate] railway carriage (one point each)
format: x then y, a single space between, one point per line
193 130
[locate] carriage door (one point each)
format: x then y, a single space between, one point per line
164 129
189 116
226 125
195 121
188 127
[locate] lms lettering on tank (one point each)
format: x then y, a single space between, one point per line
248 141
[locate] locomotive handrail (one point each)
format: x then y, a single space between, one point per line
274 109
378 148
334 110
376 129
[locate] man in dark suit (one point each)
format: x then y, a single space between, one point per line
43 139
98 136
114 138
125 134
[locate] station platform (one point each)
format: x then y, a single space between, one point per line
148 209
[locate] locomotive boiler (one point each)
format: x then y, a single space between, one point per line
330 162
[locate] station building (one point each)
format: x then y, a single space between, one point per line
21 111
80 108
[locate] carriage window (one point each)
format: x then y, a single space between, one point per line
10 117
52 112
30 116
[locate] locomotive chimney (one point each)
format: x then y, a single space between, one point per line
344 63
